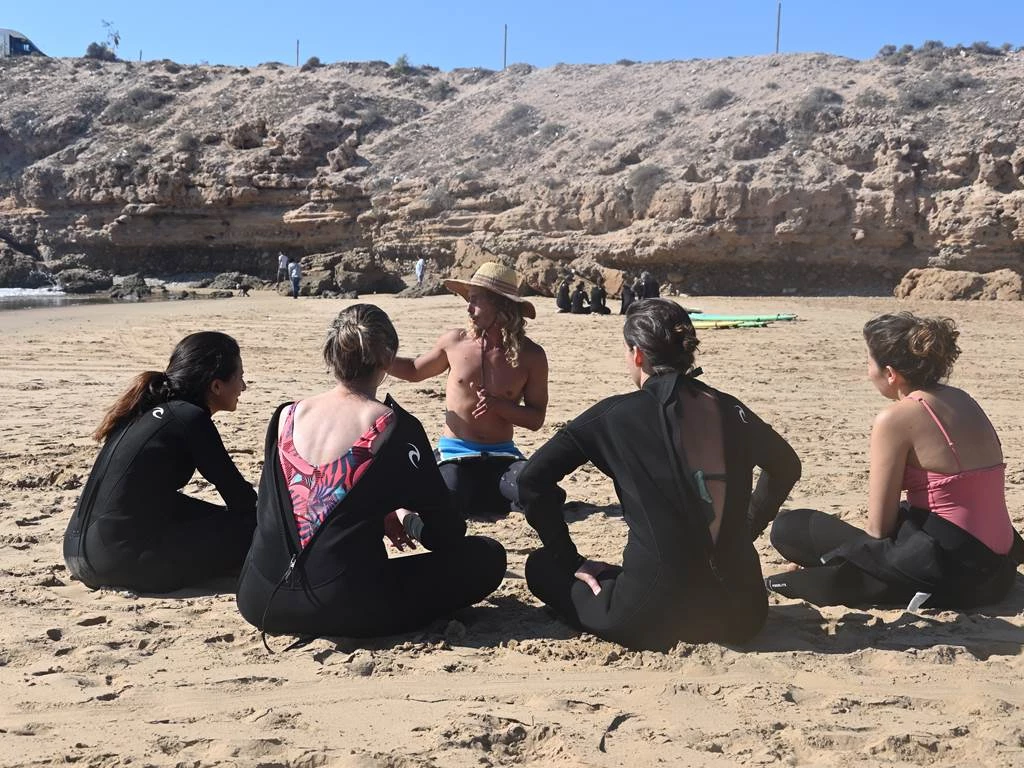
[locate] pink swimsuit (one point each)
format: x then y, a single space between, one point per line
316 490
974 500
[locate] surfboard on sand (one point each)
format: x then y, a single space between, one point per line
782 316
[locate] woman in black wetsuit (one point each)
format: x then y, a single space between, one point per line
342 470
133 527
681 455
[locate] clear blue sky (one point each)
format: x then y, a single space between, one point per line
451 34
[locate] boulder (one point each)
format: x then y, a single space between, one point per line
131 288
232 281
247 135
314 282
18 270
77 280
429 288
374 279
537 274
953 284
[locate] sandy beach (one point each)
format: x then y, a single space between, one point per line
104 678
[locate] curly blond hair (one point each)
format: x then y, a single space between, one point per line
510 319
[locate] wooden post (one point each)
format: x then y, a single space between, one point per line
778 25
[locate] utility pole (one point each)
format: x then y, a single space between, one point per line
504 53
296 53
778 25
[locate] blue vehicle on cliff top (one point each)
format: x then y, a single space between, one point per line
14 43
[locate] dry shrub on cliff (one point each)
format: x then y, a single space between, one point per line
600 146
549 132
440 90
186 141
938 88
521 120
869 98
313 62
100 52
758 137
819 110
401 66
982 47
135 106
716 99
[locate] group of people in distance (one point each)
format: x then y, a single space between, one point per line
577 301
291 270
345 470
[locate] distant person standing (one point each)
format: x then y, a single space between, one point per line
638 289
579 298
651 287
421 268
627 295
597 299
562 297
282 268
295 274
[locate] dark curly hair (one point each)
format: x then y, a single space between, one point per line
921 349
664 332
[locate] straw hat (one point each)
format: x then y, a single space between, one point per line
496 278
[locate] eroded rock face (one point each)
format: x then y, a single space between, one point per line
801 174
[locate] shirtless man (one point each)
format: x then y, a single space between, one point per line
497 380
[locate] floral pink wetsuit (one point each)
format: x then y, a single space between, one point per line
316 490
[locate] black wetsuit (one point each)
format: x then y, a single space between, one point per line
627 298
651 288
133 527
342 582
675 583
597 297
579 298
562 298
844 565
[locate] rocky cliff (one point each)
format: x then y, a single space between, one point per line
801 173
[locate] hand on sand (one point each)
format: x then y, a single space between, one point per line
589 571
395 530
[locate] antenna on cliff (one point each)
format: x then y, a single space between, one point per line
778 25
504 53
296 53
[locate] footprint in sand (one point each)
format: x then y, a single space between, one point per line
227 637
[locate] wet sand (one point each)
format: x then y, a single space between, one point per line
107 677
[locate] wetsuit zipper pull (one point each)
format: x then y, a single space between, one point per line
291 567
714 569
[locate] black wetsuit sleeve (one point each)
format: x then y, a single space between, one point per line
436 523
542 498
780 470
214 463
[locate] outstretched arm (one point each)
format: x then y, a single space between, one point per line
426 365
